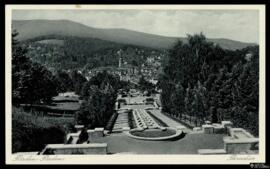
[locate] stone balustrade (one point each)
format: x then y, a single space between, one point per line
208 129
92 148
95 133
216 128
72 138
239 141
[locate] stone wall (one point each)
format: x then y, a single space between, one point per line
96 133
237 148
92 148
216 128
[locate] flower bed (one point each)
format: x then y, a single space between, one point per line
153 133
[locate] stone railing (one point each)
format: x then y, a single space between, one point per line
72 146
92 148
72 138
239 141
95 133
214 128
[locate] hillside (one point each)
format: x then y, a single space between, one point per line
30 29
67 52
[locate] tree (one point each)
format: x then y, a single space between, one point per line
200 50
178 100
144 85
86 90
65 81
219 94
98 108
246 96
167 87
188 102
31 82
219 84
78 81
103 78
200 104
20 64
99 94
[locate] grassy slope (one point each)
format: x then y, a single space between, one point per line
32 133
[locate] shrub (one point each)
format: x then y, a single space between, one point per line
83 137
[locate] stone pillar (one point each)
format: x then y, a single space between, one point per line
207 122
91 135
208 129
116 105
79 127
99 132
227 125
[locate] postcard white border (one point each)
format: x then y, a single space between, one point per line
135 159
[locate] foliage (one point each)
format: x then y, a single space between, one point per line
202 81
78 81
84 53
83 137
99 95
31 82
144 85
32 133
177 98
64 81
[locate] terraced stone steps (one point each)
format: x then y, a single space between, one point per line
121 123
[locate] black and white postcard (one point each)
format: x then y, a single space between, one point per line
135 84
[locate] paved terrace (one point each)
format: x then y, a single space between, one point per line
121 143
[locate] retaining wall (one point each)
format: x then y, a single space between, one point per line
92 148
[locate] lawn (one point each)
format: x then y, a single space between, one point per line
153 133
32 132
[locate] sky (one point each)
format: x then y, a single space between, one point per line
240 25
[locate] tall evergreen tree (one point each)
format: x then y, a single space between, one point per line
31 82
178 100
78 81
188 103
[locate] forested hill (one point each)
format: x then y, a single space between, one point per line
69 52
30 29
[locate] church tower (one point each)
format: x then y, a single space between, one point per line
120 58
120 62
